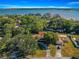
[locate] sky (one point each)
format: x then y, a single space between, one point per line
39 3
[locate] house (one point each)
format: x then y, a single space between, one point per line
41 34
43 43
75 42
18 21
1 28
62 38
59 29
56 29
59 42
76 31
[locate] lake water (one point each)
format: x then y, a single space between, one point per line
66 14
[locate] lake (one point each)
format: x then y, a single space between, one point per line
66 14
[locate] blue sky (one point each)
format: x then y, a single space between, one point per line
39 3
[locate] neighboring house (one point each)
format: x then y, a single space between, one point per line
18 23
1 28
62 39
59 42
41 34
75 41
43 43
60 29
56 29
76 31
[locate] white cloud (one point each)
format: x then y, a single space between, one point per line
38 7
58 7
18 6
7 5
71 3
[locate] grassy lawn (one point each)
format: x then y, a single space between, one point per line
75 36
52 50
42 53
69 50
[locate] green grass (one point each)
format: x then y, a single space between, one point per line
39 53
69 50
42 53
52 50
75 36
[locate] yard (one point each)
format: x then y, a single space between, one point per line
68 50
75 36
52 50
42 53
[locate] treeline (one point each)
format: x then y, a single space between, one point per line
38 22
17 30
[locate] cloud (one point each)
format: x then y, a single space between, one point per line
19 6
7 5
59 7
72 3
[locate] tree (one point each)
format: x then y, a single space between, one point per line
47 16
51 37
35 23
38 14
65 24
23 43
19 30
8 30
39 25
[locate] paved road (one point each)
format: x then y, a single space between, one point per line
53 58
58 52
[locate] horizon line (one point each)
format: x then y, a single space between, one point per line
38 8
